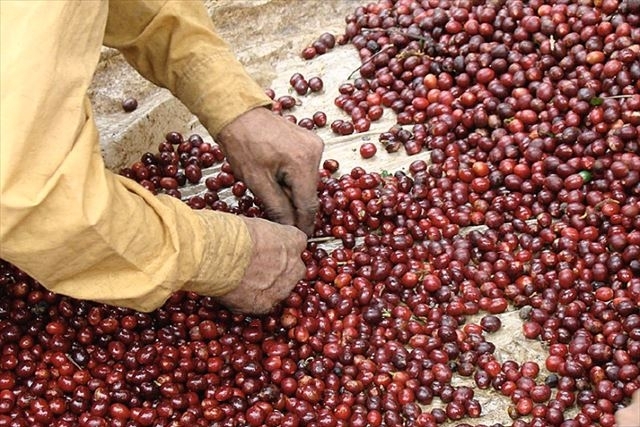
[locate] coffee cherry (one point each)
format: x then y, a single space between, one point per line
309 52
316 84
368 150
328 39
129 104
319 119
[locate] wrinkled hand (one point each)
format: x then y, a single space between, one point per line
630 416
278 161
274 268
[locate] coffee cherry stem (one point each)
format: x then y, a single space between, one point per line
321 239
601 203
398 31
599 100
385 47
73 362
361 135
618 96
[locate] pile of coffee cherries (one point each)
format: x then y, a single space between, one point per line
530 201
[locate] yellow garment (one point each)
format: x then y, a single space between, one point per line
64 218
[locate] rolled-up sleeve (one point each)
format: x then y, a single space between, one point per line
174 45
64 218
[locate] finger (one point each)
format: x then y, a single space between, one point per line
301 227
278 206
303 190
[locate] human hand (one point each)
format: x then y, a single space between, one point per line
278 161
630 415
274 268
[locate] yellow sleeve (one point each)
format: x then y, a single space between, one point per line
64 218
174 45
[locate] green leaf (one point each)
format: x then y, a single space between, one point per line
596 101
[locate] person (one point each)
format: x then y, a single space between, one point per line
629 416
86 232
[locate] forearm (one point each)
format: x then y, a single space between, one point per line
74 226
85 232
